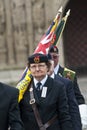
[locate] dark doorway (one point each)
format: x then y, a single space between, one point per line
75 37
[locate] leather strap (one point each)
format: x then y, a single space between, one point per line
51 121
36 113
37 116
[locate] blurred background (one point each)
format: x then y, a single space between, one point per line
22 24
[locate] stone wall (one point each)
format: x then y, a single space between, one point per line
22 24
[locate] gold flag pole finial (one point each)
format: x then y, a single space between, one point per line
60 9
57 18
59 12
67 14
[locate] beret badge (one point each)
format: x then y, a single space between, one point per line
54 49
37 59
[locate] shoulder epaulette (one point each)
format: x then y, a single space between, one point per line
67 73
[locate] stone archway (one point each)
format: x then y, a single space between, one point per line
75 37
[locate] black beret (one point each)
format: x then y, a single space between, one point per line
53 49
37 58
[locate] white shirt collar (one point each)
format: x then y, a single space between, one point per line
56 69
42 81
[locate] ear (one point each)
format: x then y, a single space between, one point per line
49 67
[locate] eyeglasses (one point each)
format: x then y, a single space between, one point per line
34 67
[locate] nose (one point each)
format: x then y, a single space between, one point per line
37 68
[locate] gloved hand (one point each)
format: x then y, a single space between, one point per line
83 114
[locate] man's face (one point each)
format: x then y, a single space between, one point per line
39 70
55 58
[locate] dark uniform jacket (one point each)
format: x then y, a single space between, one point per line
9 110
73 105
55 103
79 96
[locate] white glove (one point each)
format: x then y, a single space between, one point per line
83 114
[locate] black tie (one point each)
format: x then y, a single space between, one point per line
38 86
38 90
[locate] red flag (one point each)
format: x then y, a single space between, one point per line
48 38
44 44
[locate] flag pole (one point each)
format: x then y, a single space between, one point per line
64 20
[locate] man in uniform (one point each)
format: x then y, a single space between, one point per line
65 72
72 102
44 104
